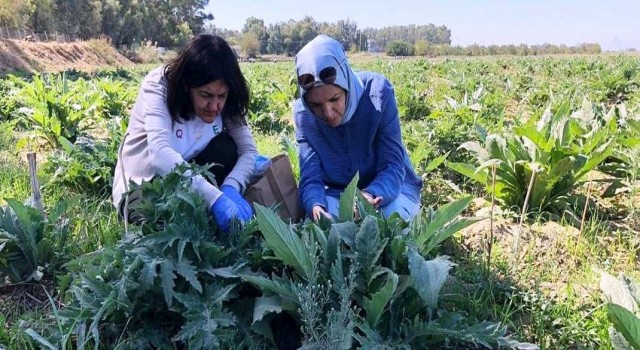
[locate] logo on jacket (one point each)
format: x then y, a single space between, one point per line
179 133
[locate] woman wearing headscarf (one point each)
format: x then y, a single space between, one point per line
346 123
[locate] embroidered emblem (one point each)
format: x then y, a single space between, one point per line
216 129
179 133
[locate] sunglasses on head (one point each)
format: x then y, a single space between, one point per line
326 76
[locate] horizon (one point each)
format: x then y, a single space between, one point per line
612 24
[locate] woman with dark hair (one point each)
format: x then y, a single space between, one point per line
192 109
348 123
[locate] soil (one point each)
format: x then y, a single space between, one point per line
16 299
31 57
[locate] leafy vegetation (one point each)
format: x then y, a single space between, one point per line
539 166
356 282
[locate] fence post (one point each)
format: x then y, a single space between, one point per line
35 185
46 37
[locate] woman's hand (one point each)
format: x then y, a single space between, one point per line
375 202
318 212
225 212
245 211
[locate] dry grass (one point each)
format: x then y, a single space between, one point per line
17 55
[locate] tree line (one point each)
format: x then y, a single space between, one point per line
256 38
289 37
168 23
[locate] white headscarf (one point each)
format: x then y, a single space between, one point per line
320 53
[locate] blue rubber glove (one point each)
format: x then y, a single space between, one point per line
245 211
225 212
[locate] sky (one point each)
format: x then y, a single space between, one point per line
614 24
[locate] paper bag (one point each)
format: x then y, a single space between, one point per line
277 189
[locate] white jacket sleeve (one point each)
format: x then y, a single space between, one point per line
247 151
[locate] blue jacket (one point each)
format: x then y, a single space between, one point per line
369 143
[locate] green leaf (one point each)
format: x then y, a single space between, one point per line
595 158
166 273
435 162
428 276
40 339
271 285
441 217
375 306
285 243
66 145
469 171
479 152
348 200
346 231
443 234
368 247
496 146
265 305
330 252
187 198
189 272
625 322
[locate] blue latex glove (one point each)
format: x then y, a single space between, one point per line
224 211
262 164
245 211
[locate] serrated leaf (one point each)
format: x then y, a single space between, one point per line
189 272
428 276
475 148
167 276
187 198
368 247
617 340
265 305
149 273
375 306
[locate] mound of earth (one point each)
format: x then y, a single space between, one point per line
26 56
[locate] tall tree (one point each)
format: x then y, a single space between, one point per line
255 28
14 14
78 18
42 18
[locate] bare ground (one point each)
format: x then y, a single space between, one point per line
25 56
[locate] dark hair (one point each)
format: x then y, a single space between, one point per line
206 58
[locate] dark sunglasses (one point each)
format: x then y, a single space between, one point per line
326 75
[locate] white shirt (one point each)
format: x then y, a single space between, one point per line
154 144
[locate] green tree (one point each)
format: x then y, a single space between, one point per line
42 18
78 18
250 45
14 14
254 27
399 48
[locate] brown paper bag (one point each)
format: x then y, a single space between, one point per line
277 188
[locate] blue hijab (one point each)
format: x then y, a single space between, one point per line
320 53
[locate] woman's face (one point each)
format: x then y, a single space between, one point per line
327 102
209 99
